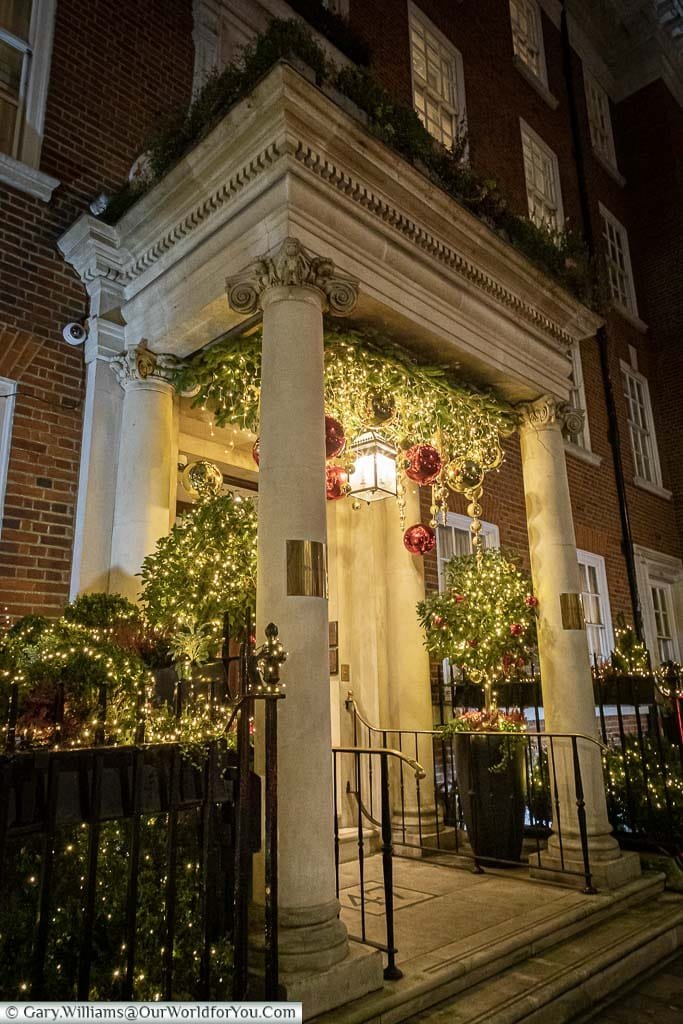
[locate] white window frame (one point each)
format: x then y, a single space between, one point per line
655 569
630 306
536 140
340 7
520 44
597 562
651 437
598 105
8 389
458 110
20 167
664 589
578 399
490 535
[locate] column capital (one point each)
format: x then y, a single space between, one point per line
292 265
138 364
547 412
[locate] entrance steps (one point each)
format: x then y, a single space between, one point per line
549 970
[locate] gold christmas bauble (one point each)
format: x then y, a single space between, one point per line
202 479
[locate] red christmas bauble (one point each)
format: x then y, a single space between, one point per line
422 464
256 451
531 601
419 539
335 438
438 620
458 598
516 628
336 483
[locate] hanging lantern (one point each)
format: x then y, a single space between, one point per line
336 483
335 438
256 451
419 539
373 476
422 464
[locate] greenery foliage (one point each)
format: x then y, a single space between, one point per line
645 793
428 401
485 619
18 913
562 255
205 567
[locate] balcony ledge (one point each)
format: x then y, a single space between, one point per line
287 158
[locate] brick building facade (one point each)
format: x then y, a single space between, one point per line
113 73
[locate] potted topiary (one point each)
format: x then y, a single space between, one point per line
484 622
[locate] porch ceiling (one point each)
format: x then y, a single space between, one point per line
288 160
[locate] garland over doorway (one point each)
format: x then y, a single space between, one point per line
442 432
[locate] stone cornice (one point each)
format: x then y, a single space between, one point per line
93 249
292 265
287 122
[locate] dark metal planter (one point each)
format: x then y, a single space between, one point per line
490 773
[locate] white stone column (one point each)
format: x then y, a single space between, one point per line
569 705
407 701
293 287
145 471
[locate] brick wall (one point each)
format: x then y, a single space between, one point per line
497 96
116 68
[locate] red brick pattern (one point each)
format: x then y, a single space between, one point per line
116 69
648 131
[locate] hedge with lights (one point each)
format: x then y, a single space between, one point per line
108 962
485 620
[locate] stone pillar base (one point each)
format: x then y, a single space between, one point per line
318 965
359 973
605 873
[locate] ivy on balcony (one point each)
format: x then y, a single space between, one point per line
561 255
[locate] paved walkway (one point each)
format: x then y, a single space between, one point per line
447 914
452 925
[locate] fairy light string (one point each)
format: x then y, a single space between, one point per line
370 382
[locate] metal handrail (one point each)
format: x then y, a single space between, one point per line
352 705
416 767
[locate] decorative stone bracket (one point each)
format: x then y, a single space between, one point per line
547 412
292 265
139 363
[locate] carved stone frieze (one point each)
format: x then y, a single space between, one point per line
291 264
139 363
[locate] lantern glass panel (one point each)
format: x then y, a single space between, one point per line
374 476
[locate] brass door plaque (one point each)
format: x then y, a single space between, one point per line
306 568
572 611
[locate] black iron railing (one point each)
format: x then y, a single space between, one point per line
640 724
514 775
360 762
125 871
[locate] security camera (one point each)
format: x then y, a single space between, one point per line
74 333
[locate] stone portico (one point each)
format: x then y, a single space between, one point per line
286 210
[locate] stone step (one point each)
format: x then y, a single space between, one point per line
466 970
565 981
